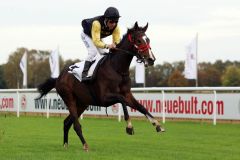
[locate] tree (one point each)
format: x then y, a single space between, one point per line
151 77
179 66
38 68
163 73
2 80
12 72
176 79
209 77
220 66
231 77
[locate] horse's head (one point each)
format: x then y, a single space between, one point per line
141 44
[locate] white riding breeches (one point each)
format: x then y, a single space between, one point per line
92 49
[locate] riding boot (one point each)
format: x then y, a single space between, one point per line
85 70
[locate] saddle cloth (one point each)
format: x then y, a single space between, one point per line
77 68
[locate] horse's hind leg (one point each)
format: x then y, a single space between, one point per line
77 127
80 110
67 124
74 114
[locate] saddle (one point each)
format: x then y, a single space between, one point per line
77 68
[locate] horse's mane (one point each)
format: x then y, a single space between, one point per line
122 40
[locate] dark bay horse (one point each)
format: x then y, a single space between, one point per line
112 84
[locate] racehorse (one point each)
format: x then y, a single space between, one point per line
112 84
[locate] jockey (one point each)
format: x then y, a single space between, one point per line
94 29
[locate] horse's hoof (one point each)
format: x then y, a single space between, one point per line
85 147
159 129
65 145
130 131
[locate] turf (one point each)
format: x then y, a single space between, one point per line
40 138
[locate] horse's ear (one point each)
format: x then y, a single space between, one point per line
145 28
136 25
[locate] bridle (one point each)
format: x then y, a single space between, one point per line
139 48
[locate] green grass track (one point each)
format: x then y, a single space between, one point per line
29 138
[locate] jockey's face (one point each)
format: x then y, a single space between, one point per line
111 23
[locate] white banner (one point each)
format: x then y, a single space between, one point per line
23 66
190 71
54 63
140 73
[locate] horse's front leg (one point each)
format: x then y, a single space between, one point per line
116 98
133 103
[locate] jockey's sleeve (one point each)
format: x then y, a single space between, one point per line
96 31
116 35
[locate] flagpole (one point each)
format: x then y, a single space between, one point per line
197 60
26 70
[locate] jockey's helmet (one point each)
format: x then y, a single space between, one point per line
111 13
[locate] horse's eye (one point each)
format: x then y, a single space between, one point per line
138 41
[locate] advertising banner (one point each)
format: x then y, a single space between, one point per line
174 105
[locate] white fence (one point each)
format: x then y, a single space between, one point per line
171 102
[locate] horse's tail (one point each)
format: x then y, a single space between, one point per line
47 86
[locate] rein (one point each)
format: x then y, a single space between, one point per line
139 59
125 51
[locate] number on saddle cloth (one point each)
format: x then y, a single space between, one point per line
72 67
